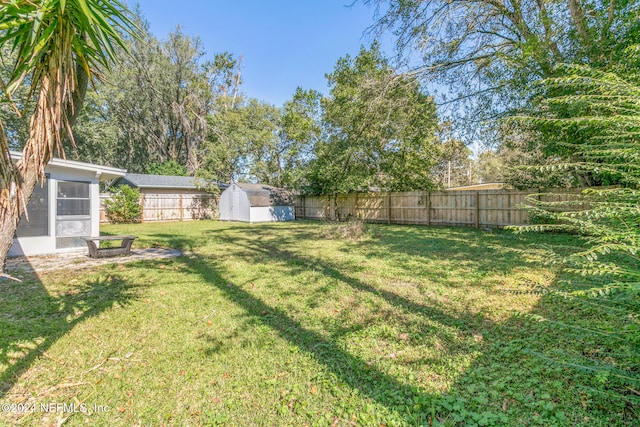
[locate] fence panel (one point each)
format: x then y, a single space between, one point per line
484 208
172 207
410 207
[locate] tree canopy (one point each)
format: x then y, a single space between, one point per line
379 129
488 52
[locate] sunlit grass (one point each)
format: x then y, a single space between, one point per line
291 324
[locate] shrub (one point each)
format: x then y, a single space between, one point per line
124 206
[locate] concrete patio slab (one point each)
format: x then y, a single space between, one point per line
80 260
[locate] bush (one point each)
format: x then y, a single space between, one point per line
124 206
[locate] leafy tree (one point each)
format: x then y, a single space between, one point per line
523 155
300 131
13 115
155 104
491 167
488 52
223 152
162 101
456 167
225 72
264 151
379 130
59 46
170 167
243 141
255 141
96 134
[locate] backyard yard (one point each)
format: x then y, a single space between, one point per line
309 323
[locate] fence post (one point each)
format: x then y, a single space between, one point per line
142 204
180 207
355 208
304 207
477 209
428 208
389 208
327 210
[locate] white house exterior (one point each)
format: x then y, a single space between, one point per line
255 203
63 210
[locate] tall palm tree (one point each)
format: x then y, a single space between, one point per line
60 46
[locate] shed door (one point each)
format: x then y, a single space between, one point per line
235 204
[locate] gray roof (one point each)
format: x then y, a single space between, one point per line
140 180
266 195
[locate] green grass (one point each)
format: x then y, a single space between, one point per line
287 324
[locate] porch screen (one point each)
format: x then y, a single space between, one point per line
38 213
73 213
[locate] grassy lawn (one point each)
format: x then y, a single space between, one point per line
291 324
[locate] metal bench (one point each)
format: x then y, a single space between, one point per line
96 252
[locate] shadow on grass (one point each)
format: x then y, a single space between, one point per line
353 371
518 373
497 251
297 263
32 319
357 373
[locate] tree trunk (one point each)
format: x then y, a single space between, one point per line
54 114
8 197
11 211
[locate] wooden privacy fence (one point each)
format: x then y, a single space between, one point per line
172 207
487 208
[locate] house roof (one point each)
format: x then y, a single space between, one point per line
140 180
266 195
104 173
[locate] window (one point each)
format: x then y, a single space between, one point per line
74 198
38 213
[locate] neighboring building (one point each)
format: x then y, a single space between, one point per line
172 198
480 187
164 184
63 210
255 203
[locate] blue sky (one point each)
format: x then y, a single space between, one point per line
284 43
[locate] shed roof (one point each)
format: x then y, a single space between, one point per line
266 195
140 180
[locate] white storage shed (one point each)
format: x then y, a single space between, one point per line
255 203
